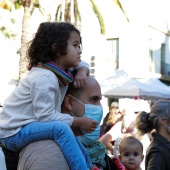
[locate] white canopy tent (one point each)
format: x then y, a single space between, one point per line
120 85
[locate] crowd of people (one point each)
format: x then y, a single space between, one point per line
52 119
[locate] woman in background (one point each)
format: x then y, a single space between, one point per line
111 118
158 123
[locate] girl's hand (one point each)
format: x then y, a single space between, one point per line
79 79
85 124
88 125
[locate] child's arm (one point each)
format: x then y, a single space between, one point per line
85 124
85 153
106 139
83 70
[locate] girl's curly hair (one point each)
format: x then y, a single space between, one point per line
40 48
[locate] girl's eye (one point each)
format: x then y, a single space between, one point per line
77 46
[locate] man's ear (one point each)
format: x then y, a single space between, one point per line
68 102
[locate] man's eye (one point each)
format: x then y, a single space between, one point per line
95 99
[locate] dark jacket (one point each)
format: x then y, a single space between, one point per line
158 154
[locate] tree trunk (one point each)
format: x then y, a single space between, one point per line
72 18
63 11
24 40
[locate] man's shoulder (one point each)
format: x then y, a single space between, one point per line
45 154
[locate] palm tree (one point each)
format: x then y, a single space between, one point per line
24 37
118 3
4 30
28 6
67 10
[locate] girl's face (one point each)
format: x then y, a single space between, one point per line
72 58
131 157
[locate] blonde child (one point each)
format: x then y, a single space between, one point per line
131 153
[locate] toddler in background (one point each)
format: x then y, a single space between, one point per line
131 153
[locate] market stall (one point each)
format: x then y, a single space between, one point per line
121 85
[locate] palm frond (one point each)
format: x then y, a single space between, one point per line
58 15
67 15
8 34
76 13
6 5
12 20
17 4
118 3
99 16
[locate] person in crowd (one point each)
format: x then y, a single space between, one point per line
131 153
126 127
111 118
2 160
46 154
118 131
87 104
157 122
33 111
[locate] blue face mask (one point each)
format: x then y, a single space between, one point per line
94 112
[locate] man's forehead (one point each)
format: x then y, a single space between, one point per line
91 82
93 90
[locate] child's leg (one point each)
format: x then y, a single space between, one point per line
85 153
55 130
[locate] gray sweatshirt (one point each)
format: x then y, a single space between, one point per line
38 97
